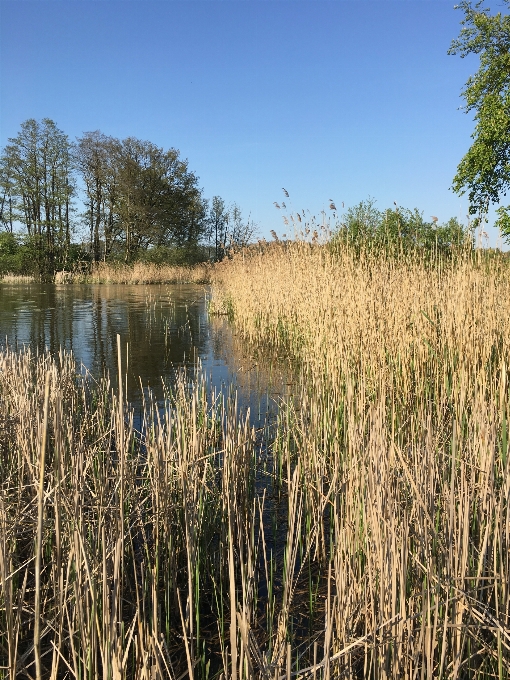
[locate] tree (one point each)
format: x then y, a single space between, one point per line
361 222
7 188
484 172
158 199
240 233
95 154
397 229
138 196
218 224
36 174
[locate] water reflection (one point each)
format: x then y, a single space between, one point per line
164 327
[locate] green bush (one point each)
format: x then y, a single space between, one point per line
29 256
177 256
398 229
10 259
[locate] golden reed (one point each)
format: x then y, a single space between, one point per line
398 434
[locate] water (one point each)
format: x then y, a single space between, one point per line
162 328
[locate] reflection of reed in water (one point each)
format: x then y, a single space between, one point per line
260 373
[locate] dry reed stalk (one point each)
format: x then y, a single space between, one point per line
16 279
401 426
106 587
39 536
143 273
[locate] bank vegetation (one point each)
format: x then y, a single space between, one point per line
366 534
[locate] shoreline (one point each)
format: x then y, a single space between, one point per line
138 273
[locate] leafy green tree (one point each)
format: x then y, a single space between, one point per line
484 172
158 200
8 250
360 222
95 154
218 225
141 201
36 171
239 232
7 203
139 197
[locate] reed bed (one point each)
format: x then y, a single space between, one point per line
395 452
137 554
117 547
16 278
139 272
366 537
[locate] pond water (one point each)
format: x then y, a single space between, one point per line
162 328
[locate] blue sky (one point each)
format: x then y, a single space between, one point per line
329 99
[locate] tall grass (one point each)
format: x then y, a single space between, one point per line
113 544
139 272
133 554
397 441
16 278
369 538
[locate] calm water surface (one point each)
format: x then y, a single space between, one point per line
164 327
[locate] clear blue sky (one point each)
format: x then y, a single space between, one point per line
329 99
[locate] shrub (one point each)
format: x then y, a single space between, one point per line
398 229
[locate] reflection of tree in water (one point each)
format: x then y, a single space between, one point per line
262 376
163 329
36 315
164 326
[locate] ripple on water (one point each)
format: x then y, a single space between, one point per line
163 327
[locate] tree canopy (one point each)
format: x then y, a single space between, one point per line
138 195
140 202
484 172
38 188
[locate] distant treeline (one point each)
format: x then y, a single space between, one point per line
141 202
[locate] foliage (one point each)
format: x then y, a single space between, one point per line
8 244
397 229
484 172
142 202
240 232
228 230
26 255
174 255
218 225
18 255
38 186
138 196
93 155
